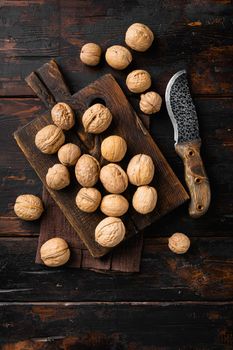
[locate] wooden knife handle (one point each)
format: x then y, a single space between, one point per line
195 177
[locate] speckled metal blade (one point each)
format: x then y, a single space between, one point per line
181 109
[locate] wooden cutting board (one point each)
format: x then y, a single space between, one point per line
126 124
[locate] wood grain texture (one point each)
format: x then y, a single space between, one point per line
205 49
125 123
195 177
205 273
117 326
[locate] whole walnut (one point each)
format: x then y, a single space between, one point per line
96 119
113 148
140 170
150 102
88 199
28 207
90 54
113 178
55 252
63 116
139 37
69 154
179 243
110 232
145 199
49 139
58 177
87 170
118 57
138 81
114 205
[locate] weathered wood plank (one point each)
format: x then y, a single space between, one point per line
18 177
204 273
121 326
29 28
188 34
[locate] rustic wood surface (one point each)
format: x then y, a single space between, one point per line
176 302
125 123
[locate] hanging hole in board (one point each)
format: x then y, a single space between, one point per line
200 207
96 100
191 153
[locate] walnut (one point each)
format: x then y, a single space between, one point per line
49 139
114 205
139 37
179 243
145 199
113 178
90 54
88 199
87 170
58 177
150 102
55 252
118 57
138 81
96 119
63 116
110 232
28 207
113 148
140 170
69 154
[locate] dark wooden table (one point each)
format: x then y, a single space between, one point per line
176 302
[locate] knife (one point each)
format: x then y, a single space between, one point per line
183 116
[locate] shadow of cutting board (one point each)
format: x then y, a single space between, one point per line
125 123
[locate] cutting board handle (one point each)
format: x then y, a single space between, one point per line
49 85
195 176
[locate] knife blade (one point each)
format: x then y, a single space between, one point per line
182 113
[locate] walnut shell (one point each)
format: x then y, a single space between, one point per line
63 116
28 207
58 177
87 170
88 199
145 199
139 37
118 57
49 139
179 243
140 170
110 232
138 81
90 54
113 178
114 205
96 119
55 252
69 154
113 148
150 102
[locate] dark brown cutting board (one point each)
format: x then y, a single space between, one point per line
126 124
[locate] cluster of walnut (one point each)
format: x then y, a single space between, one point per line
51 139
140 172
138 37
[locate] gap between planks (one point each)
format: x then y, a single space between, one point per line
116 303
